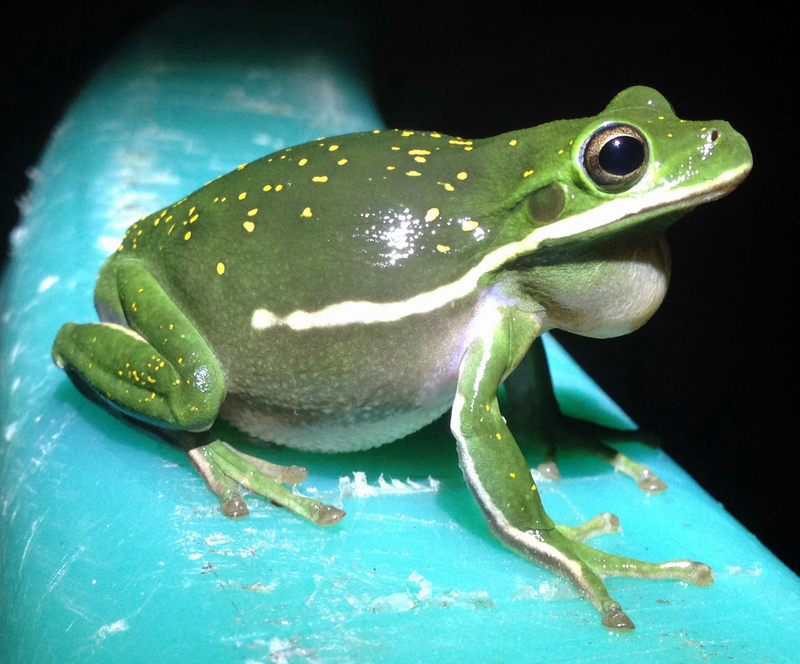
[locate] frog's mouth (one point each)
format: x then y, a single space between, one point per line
624 213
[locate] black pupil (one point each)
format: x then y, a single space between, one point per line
621 155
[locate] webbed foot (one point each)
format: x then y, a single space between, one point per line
586 567
568 432
224 467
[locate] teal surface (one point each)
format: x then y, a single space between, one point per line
112 548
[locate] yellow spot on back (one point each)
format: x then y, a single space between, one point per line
422 152
249 226
431 214
320 178
390 168
443 248
420 160
395 147
220 268
470 225
307 213
499 437
462 175
278 187
333 148
512 142
267 187
342 162
302 162
188 235
413 174
194 218
252 212
527 173
512 474
407 133
243 195
447 186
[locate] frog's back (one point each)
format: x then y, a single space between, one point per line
375 217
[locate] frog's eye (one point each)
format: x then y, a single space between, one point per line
615 157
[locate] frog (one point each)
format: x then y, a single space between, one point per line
341 294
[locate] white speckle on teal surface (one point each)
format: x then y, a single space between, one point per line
111 628
359 487
269 141
45 283
238 98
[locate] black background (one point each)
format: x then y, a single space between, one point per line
713 372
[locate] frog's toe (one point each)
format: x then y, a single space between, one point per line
234 508
327 515
698 574
550 470
281 474
616 619
651 483
293 474
602 524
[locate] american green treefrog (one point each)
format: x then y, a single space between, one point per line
341 294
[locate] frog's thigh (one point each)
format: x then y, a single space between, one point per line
161 371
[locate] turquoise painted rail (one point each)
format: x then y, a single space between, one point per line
112 548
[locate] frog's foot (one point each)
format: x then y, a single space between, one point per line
562 550
593 438
224 468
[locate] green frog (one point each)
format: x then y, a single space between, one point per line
341 294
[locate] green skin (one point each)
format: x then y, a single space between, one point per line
341 294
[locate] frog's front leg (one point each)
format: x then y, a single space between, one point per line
530 388
499 477
161 371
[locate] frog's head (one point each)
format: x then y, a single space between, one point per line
633 163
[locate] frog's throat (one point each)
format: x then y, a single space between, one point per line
611 213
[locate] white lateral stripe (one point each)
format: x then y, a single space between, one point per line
365 312
526 543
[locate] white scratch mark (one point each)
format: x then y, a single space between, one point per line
61 571
34 526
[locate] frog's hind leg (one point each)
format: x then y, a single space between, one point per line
156 367
531 384
223 467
